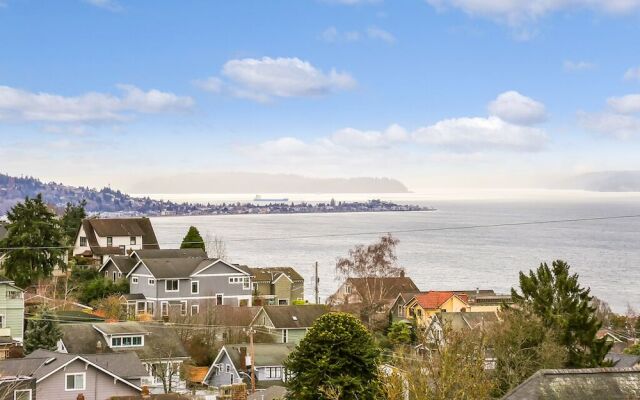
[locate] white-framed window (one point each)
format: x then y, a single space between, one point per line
246 284
283 302
109 241
273 372
151 282
195 309
240 279
83 241
219 299
127 341
171 285
164 308
150 307
134 280
119 274
75 381
285 334
22 394
183 307
195 287
348 289
132 240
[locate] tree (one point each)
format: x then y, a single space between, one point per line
193 240
521 346
337 357
42 332
111 308
216 247
372 264
556 297
99 288
633 350
399 333
72 219
36 242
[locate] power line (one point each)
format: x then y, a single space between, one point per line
348 234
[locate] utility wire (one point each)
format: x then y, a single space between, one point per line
347 234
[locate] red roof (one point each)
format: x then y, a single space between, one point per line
434 299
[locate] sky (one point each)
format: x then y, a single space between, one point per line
435 93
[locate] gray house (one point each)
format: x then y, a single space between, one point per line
180 281
65 376
158 347
232 365
288 324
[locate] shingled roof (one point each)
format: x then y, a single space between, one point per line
583 384
272 273
291 317
434 299
386 288
124 263
170 253
104 227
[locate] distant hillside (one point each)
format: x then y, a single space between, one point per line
254 183
607 181
14 190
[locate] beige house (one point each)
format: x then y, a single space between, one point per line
373 290
277 285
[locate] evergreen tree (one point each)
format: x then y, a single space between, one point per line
36 242
193 240
42 332
399 333
337 358
72 219
554 295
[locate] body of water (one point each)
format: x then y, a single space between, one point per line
605 253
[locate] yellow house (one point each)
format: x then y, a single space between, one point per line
424 306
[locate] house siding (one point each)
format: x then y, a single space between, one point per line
282 290
13 312
98 385
223 378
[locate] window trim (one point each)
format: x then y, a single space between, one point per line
221 299
164 304
151 281
184 311
83 241
109 241
84 381
166 282
134 280
132 240
285 336
197 307
121 339
15 397
197 287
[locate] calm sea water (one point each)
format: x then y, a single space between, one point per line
606 253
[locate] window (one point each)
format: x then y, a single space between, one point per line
183 308
115 276
245 283
132 240
109 241
164 308
273 372
228 368
126 341
14 294
151 282
1 321
219 299
195 309
119 274
195 287
235 279
83 241
171 285
284 336
150 307
75 381
134 280
348 289
22 394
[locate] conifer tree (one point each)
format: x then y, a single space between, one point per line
554 295
193 240
42 332
71 220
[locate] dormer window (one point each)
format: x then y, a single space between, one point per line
109 241
132 240
127 341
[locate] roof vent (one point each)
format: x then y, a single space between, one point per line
295 318
49 360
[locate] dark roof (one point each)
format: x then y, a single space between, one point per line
231 315
271 393
266 354
160 341
124 263
272 273
118 227
466 321
134 296
181 267
477 292
170 253
301 316
623 360
584 384
386 288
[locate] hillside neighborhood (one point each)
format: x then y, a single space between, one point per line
118 317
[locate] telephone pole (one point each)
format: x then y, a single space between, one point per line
317 280
250 332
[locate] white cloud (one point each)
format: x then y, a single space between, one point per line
266 78
629 104
608 123
212 84
380 34
632 74
352 137
110 5
513 107
22 105
330 34
480 134
574 66
517 12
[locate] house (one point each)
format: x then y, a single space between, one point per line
232 365
18 387
397 310
382 290
621 360
98 238
584 384
288 324
424 306
187 285
277 285
481 300
11 315
158 346
619 340
118 266
458 322
66 376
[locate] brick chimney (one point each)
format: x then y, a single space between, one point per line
99 348
80 397
243 357
239 391
145 394
402 274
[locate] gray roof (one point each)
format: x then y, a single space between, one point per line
182 267
623 360
266 354
160 341
171 253
134 296
466 321
124 263
584 384
272 273
301 316
230 315
271 393
118 227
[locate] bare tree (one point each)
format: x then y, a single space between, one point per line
216 247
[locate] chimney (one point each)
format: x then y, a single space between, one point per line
80 397
243 358
402 274
145 394
98 347
477 290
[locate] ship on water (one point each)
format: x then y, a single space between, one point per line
271 200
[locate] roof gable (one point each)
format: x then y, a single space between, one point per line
292 317
434 299
218 267
386 288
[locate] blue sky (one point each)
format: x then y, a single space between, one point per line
436 93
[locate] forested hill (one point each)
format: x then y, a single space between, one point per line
13 190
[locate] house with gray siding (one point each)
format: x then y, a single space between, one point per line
277 285
66 376
181 282
232 365
11 315
288 324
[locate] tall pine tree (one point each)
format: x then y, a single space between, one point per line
193 240
42 332
72 219
556 297
35 240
